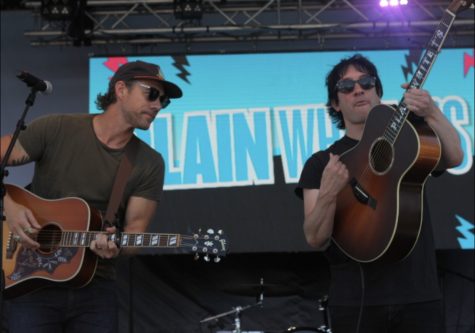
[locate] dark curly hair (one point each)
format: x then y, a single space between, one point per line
104 100
360 63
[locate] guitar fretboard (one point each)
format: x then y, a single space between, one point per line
84 239
435 44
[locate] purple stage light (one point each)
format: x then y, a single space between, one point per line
392 3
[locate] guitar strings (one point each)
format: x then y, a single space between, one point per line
382 150
67 239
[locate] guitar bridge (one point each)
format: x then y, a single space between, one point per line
11 247
361 195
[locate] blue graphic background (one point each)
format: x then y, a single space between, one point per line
270 82
240 111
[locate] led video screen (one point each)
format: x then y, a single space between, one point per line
235 144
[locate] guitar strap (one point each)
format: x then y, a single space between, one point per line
123 173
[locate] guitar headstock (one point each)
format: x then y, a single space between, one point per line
209 244
457 6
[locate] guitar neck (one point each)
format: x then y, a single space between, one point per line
421 73
432 50
129 240
75 234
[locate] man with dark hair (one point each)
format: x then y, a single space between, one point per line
78 155
374 297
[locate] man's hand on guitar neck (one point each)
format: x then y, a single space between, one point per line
104 247
420 102
22 223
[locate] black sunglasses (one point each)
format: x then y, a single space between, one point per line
346 86
154 94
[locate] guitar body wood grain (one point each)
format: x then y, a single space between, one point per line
387 227
68 226
73 212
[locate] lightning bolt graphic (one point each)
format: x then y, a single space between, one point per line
468 61
114 63
411 58
180 62
466 242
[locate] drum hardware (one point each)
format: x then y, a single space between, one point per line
323 307
237 316
325 328
270 289
238 310
294 329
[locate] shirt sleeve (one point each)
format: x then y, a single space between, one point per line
151 179
312 173
38 135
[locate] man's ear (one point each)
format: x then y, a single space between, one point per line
335 106
120 89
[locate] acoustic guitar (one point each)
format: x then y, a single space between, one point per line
68 226
379 213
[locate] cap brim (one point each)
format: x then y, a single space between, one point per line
171 89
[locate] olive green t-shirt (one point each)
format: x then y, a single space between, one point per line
72 162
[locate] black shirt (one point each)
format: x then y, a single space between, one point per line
411 280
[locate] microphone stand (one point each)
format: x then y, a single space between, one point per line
30 100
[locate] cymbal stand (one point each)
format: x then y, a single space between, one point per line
237 320
238 309
237 316
322 306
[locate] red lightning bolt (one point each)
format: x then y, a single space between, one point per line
114 63
468 61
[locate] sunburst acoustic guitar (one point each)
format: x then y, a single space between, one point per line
379 213
68 226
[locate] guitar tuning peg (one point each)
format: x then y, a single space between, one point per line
210 231
206 258
217 259
220 232
196 257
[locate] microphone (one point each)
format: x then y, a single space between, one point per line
38 84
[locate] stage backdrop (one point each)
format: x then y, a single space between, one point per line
235 144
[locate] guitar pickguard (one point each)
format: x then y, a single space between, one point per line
30 261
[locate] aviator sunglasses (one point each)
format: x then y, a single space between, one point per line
346 86
154 94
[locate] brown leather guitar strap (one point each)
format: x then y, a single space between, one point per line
123 173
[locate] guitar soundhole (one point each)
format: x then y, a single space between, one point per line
381 156
49 238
